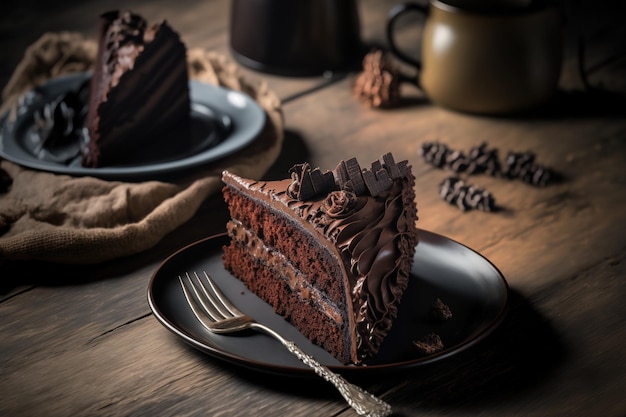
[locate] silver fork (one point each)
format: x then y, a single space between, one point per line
218 315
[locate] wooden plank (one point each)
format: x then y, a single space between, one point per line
530 267
560 352
581 150
95 325
87 345
137 362
141 369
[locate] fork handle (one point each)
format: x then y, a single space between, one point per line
364 403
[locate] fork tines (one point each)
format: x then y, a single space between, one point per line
208 297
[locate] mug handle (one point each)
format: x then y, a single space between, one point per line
392 18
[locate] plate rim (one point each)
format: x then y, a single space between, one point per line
200 93
346 370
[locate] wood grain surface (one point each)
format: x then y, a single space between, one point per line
82 341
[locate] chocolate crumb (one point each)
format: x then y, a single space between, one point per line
429 344
440 311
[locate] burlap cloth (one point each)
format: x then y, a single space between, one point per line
82 220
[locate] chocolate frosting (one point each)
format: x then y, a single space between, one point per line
374 236
124 40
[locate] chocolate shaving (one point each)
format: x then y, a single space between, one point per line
301 185
377 182
391 166
323 183
354 173
383 177
340 174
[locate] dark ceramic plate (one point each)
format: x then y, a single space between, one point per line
469 284
223 121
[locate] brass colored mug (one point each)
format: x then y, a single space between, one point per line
488 61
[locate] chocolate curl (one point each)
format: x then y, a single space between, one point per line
307 184
301 186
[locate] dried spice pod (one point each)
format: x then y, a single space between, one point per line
482 160
466 196
522 166
435 153
456 161
378 85
439 155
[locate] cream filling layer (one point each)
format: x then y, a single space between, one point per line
276 261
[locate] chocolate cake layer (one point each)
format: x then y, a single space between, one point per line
347 237
139 90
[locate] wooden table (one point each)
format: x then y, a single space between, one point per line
78 341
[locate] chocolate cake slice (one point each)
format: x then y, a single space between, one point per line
139 90
330 251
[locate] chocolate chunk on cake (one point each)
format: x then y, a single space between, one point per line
139 90
329 251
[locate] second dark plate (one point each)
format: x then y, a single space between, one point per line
237 117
